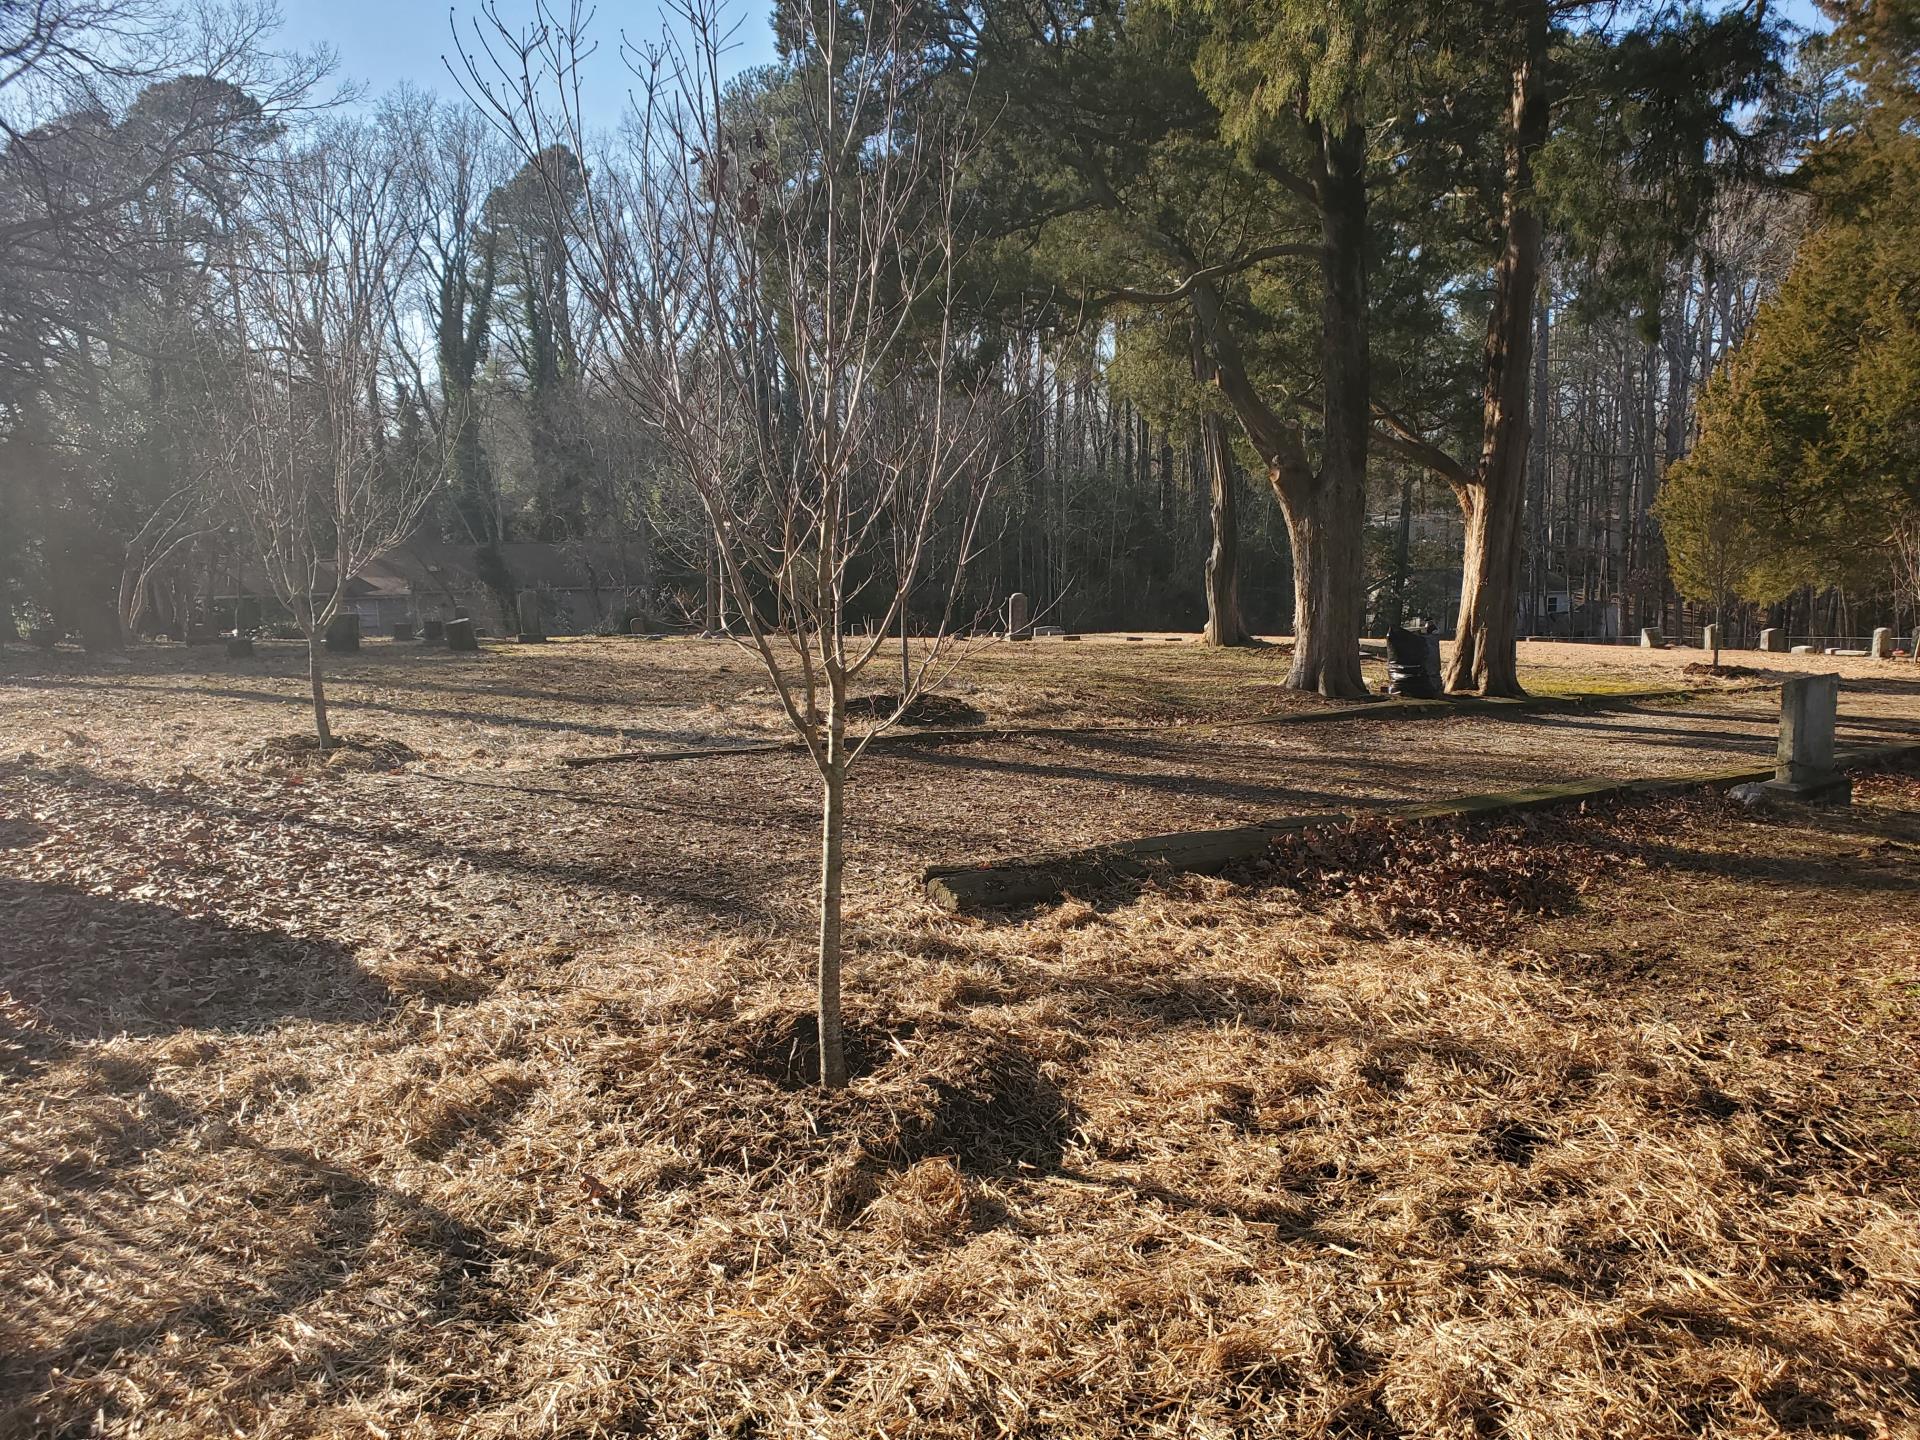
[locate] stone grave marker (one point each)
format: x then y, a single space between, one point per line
239 647
343 632
1018 617
1774 640
1710 638
1804 767
1882 646
460 636
532 631
433 632
402 631
1652 639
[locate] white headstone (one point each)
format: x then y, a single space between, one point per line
1710 638
1882 646
1018 617
1804 767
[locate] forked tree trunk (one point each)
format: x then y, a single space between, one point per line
1493 496
1325 510
833 1054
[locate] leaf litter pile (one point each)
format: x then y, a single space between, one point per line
1594 1124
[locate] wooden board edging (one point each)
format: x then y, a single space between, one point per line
1010 883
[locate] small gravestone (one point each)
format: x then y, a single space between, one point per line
1804 767
460 636
532 632
402 631
1774 640
1018 617
343 632
1710 638
1652 639
433 632
1809 650
239 647
1882 646
1050 630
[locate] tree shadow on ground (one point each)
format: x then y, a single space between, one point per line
189 1308
728 888
78 966
343 703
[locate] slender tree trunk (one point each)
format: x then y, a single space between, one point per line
1224 623
317 683
1492 498
833 1055
1403 551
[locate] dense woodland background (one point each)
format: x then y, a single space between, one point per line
1681 177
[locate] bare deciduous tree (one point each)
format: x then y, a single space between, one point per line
313 469
779 292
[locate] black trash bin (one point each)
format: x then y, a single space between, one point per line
1413 663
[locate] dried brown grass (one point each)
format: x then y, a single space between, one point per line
1458 1152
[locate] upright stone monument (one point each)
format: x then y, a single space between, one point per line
1773 640
343 632
1804 767
532 631
1882 646
402 631
1652 639
460 636
433 632
1710 638
1019 626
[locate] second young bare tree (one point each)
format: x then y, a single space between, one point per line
780 290
313 469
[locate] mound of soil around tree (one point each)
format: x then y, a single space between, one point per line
925 710
348 752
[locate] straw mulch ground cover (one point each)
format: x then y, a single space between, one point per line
1587 1125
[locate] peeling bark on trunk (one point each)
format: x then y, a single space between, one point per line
1494 495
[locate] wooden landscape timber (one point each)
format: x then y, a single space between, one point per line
1007 884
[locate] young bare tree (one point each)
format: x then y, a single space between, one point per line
779 286
313 470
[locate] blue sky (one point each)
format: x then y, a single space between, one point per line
384 42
